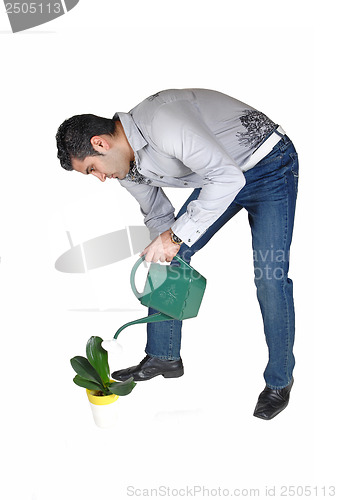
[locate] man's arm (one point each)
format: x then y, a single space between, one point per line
155 206
179 130
158 217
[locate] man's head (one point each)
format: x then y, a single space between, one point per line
94 145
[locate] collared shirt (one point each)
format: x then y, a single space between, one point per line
190 138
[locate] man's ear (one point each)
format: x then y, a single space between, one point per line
99 143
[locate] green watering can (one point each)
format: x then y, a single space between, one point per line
176 292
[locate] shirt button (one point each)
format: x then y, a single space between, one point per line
161 176
185 183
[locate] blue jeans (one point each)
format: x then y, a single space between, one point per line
269 196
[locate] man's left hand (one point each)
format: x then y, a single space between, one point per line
161 248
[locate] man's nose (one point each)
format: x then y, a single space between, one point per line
100 176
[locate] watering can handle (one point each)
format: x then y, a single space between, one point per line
138 263
132 276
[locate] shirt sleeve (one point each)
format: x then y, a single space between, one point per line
179 130
154 205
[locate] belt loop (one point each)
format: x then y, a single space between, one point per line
283 144
279 133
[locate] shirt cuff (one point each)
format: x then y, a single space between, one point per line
188 230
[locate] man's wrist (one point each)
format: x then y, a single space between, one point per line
174 238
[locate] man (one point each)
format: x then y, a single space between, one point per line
234 157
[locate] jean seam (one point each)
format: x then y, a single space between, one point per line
170 340
294 157
286 361
277 388
163 358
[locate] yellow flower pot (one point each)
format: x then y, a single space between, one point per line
102 410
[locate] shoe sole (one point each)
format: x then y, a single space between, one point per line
173 374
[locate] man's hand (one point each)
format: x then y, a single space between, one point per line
161 248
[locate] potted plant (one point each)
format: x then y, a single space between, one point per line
93 373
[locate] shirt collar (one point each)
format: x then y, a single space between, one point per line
132 133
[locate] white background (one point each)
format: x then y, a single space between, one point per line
104 57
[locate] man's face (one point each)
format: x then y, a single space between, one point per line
114 163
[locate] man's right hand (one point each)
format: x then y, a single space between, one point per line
161 248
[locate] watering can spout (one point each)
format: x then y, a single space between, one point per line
148 319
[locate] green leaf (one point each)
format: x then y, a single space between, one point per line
82 382
83 368
122 388
98 358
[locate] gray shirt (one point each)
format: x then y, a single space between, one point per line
190 138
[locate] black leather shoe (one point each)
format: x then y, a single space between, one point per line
150 367
272 401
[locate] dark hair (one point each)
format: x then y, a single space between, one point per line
73 137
